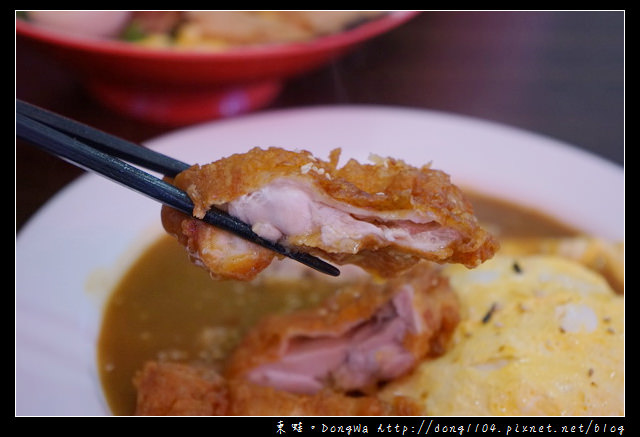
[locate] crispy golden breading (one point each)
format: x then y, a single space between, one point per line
384 217
361 336
172 389
222 254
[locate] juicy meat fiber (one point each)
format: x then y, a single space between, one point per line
364 335
384 216
173 389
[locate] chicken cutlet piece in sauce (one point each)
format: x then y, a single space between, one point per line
176 389
363 335
384 217
329 359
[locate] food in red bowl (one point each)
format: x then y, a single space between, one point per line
181 77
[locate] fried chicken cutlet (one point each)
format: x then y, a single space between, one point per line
383 217
175 389
327 360
364 335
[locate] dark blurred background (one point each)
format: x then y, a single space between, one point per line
559 74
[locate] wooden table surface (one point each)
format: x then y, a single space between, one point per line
560 74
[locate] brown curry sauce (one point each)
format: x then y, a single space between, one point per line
166 308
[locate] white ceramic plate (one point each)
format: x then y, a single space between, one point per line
69 256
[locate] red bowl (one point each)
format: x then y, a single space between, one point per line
182 87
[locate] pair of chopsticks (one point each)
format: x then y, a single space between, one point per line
107 155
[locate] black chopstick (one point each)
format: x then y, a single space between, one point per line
110 144
76 150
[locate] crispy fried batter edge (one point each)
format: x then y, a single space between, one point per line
176 389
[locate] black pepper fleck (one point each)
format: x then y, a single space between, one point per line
487 316
516 267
